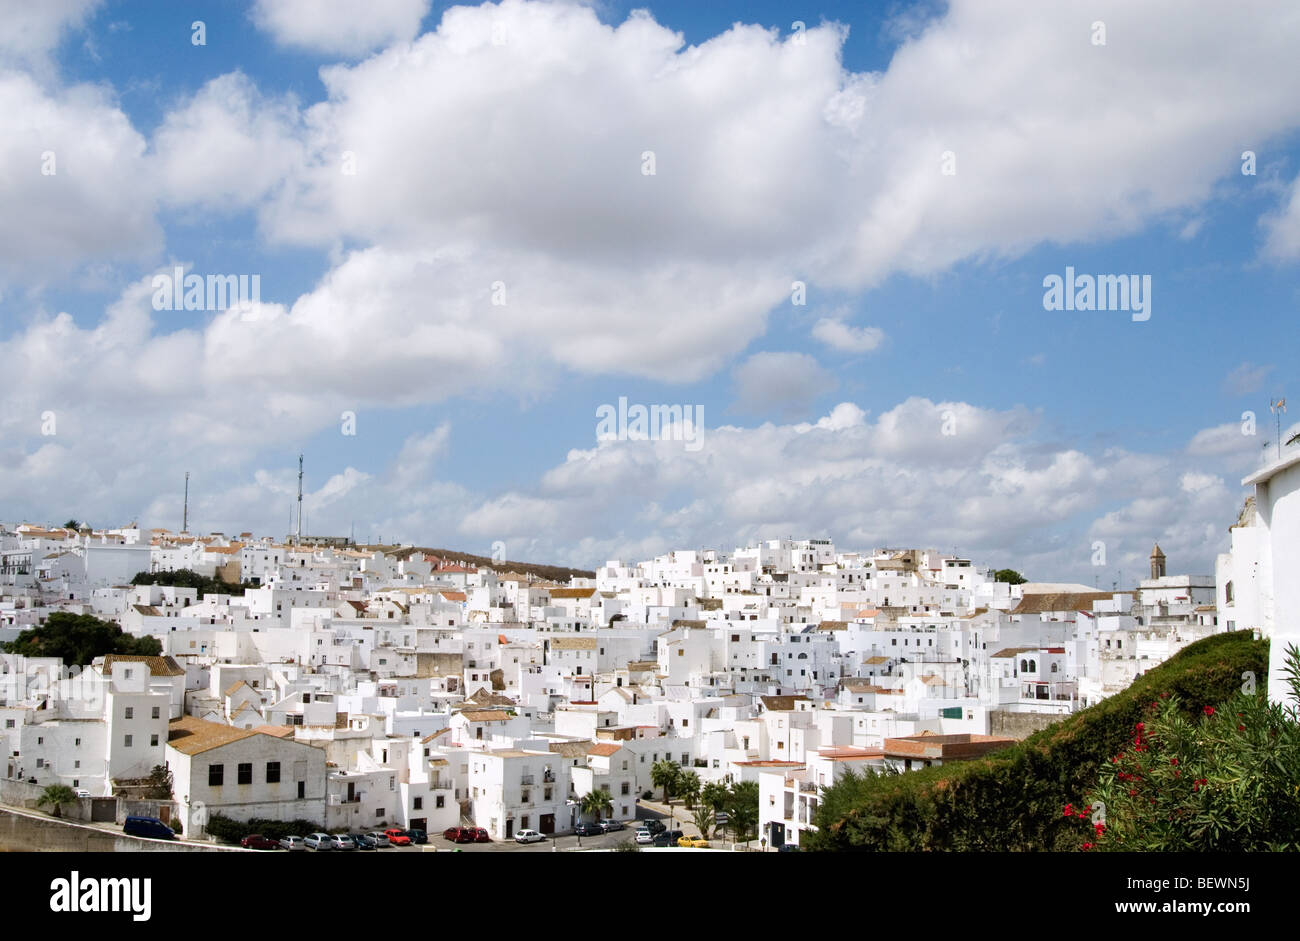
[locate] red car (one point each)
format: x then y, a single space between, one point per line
255 841
397 836
481 835
450 833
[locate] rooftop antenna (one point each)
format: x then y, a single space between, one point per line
185 518
1277 408
298 538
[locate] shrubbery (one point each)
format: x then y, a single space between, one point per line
1225 779
232 831
1012 800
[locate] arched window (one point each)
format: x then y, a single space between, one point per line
1054 667
1024 666
1033 666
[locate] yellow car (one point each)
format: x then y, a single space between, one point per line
693 842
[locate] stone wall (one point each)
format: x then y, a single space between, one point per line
25 832
1019 725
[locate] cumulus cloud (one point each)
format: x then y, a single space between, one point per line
840 336
782 383
32 30
1282 228
339 27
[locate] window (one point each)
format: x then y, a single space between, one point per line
302 789
129 713
246 772
216 774
625 787
419 803
156 713
127 741
439 801
273 772
9 724
76 764
127 673
153 740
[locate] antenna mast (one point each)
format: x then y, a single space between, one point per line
298 537
185 518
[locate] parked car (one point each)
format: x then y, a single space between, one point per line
529 836
693 842
668 838
463 834
381 839
255 841
654 826
294 844
588 829
610 826
450 833
397 836
341 841
644 836
319 841
362 841
788 848
81 792
481 835
150 827
417 836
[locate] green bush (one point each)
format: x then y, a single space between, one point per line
1012 799
1225 779
232 831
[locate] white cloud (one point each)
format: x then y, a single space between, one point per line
1282 228
339 27
75 189
32 30
784 383
1246 379
845 338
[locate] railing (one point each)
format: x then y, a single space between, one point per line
526 780
807 787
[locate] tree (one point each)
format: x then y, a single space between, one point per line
160 783
187 578
703 820
688 787
714 795
56 794
1010 576
665 774
596 802
77 639
72 524
742 809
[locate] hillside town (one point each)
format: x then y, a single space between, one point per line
369 687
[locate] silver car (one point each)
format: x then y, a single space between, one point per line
294 844
319 841
341 841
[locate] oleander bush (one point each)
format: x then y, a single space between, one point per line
1226 779
1012 800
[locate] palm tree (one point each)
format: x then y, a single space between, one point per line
714 795
665 774
596 802
688 787
742 809
703 820
56 794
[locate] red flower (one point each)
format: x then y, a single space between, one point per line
1069 809
1241 728
1173 761
1209 710
1088 846
1100 828
1141 726
1132 792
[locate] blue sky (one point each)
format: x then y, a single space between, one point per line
518 158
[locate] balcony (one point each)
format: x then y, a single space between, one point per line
526 780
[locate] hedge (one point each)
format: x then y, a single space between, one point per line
232 831
1012 800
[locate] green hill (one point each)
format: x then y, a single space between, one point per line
1012 800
